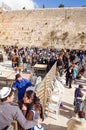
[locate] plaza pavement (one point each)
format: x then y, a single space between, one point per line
66 111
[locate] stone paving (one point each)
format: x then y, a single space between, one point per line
66 112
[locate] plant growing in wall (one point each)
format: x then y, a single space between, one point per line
16 43
53 38
64 37
82 46
6 38
44 44
82 37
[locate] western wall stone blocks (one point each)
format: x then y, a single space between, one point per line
33 27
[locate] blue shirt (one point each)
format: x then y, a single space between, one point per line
21 86
77 91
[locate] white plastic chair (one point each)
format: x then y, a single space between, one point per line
38 80
54 105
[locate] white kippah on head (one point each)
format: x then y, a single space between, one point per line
4 92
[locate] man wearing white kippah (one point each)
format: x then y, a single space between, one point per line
8 112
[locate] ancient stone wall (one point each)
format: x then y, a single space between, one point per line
60 28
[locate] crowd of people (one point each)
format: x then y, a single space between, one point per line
29 112
24 56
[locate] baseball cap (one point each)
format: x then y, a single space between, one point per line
17 76
4 92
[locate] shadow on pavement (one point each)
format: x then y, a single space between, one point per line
67 104
67 110
54 127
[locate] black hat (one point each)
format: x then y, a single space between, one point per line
17 76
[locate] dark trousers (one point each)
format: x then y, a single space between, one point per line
68 81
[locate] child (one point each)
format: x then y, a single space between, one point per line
78 102
83 106
77 91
